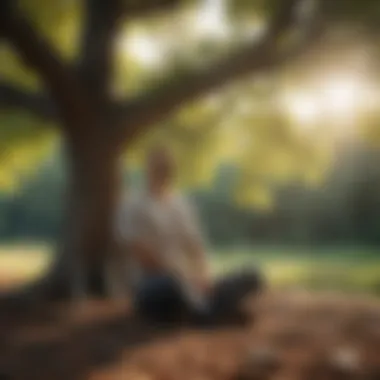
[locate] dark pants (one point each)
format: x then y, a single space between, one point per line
159 299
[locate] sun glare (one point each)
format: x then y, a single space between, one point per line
303 109
210 19
342 97
143 48
150 49
335 102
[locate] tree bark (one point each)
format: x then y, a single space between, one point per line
91 195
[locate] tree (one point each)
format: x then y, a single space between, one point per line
76 94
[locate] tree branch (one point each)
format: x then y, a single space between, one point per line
100 30
142 8
60 81
38 104
100 27
137 115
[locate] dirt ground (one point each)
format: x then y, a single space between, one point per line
294 336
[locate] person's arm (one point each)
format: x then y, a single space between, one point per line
145 255
134 239
194 244
198 256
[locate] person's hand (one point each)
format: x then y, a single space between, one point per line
204 284
150 264
147 259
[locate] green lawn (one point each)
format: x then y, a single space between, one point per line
350 269
353 270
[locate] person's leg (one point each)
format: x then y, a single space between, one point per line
159 299
230 292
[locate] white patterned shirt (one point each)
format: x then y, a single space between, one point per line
170 225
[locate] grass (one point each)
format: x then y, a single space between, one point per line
344 269
21 263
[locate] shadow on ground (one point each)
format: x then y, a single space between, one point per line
296 336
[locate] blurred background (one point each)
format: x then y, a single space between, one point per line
283 165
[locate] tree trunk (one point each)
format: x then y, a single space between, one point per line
93 188
87 239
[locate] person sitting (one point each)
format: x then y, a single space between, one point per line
160 231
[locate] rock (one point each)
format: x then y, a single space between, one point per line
340 364
345 360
